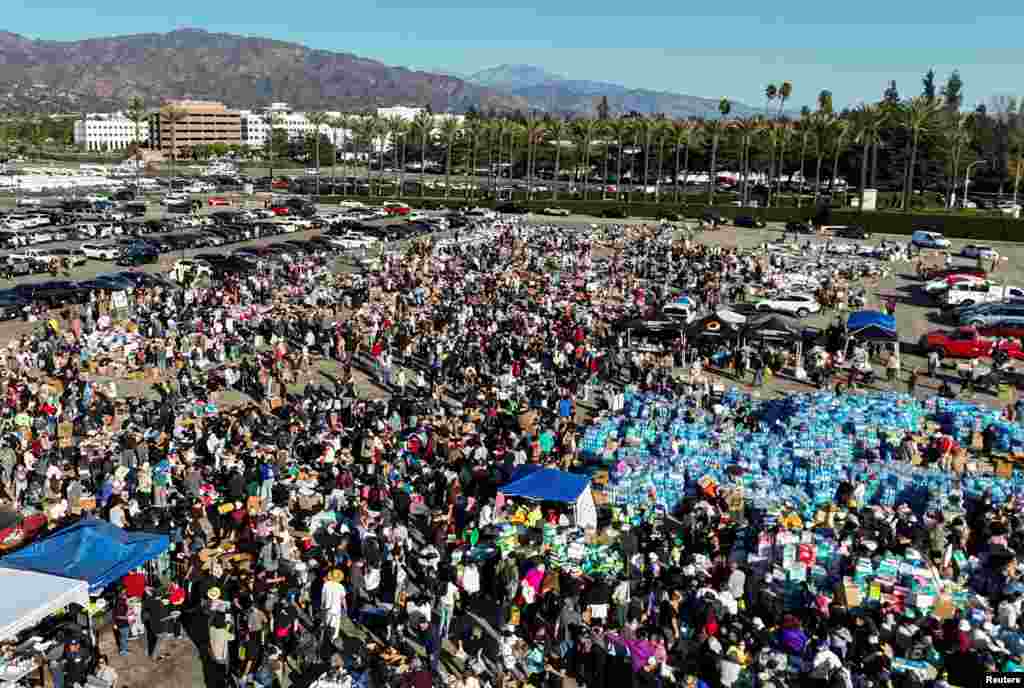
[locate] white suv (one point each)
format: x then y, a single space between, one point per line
101 251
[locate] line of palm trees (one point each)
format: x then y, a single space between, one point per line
762 146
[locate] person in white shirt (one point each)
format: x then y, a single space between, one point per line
333 603
448 600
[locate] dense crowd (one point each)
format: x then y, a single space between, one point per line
353 536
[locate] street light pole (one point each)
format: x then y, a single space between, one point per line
967 180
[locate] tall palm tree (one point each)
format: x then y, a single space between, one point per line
841 130
771 92
959 134
395 127
601 130
715 129
174 115
664 135
685 134
785 91
534 134
338 125
620 129
746 128
450 132
583 131
772 132
919 117
868 119
822 124
137 113
555 128
645 133
504 128
806 127
273 121
474 130
423 127
317 120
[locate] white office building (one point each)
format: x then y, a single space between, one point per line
109 131
256 125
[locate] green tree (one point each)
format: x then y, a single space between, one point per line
398 130
959 135
450 132
806 128
715 128
534 137
583 131
137 113
686 134
785 92
620 129
771 92
918 117
928 85
317 120
868 123
423 128
603 110
277 140
953 91
840 138
173 115
555 127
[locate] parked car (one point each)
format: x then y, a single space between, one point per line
979 251
138 256
798 304
12 306
100 251
966 342
851 232
749 222
615 213
994 319
556 212
968 293
928 239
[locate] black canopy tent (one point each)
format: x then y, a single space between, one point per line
773 327
712 326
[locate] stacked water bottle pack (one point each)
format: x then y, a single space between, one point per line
803 447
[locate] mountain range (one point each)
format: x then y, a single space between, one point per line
555 93
103 74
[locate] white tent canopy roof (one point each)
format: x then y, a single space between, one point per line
30 597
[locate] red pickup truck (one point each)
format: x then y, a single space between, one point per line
965 342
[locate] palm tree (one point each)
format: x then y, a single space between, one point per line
619 128
959 134
822 124
137 113
423 126
772 130
868 121
645 133
806 126
583 131
450 131
771 92
840 132
503 128
317 120
534 135
746 128
663 134
919 116
715 128
338 125
273 120
555 127
474 129
685 135
173 115
785 91
601 130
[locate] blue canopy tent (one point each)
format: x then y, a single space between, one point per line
872 325
91 550
550 485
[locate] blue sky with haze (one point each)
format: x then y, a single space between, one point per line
707 48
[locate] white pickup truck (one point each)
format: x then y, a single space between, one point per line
970 293
38 255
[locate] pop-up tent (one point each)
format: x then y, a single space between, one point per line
712 326
29 597
872 325
550 485
91 550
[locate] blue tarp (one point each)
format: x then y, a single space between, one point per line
871 325
91 550
545 485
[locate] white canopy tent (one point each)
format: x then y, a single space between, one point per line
30 597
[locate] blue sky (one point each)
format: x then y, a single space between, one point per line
708 49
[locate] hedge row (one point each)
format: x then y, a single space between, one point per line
954 226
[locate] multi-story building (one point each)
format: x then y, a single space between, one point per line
109 131
191 123
256 125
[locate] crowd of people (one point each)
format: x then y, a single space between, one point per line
327 454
